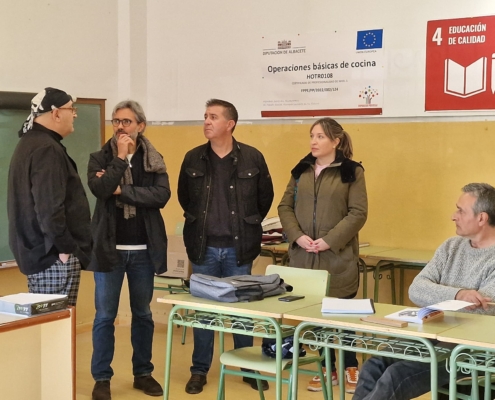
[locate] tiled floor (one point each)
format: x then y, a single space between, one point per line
121 384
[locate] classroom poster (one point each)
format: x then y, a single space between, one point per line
460 68
318 74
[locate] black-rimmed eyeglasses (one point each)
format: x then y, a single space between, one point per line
125 122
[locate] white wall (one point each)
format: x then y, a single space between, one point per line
68 44
174 55
198 50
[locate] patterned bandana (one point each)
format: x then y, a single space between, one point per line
45 101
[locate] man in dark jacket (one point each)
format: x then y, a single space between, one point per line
49 217
130 182
225 190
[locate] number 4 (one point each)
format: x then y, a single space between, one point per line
437 36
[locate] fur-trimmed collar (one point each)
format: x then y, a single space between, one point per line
347 167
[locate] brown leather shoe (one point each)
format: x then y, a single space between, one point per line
148 385
101 391
195 384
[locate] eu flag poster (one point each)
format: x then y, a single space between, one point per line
322 73
371 39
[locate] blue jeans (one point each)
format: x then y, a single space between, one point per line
219 262
140 273
394 379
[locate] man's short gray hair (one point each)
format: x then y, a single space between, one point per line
135 107
485 199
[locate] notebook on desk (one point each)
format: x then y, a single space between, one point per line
332 305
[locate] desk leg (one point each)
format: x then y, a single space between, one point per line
433 371
278 358
385 266
285 259
392 284
364 267
401 285
293 382
341 374
184 330
168 355
488 386
475 394
295 364
377 282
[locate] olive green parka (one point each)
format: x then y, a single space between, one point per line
333 207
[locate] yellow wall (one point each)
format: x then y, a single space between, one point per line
414 174
414 171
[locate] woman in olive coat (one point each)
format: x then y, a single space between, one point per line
322 210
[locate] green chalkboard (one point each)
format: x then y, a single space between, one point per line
87 137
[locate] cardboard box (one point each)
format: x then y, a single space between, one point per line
178 265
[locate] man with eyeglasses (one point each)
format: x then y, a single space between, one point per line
129 180
48 211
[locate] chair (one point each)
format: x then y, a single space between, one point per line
467 391
305 282
480 382
476 391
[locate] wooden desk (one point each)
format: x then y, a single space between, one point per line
475 351
259 319
402 259
409 343
38 356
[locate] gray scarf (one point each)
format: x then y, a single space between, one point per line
153 162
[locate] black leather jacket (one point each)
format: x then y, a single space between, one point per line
249 202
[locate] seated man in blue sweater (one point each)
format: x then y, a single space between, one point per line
463 268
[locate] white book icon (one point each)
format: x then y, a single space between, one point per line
465 81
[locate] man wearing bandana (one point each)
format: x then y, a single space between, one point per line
129 179
48 211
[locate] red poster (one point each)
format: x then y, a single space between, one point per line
460 64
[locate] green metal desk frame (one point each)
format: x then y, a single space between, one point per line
402 266
404 347
472 359
172 286
377 270
235 322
